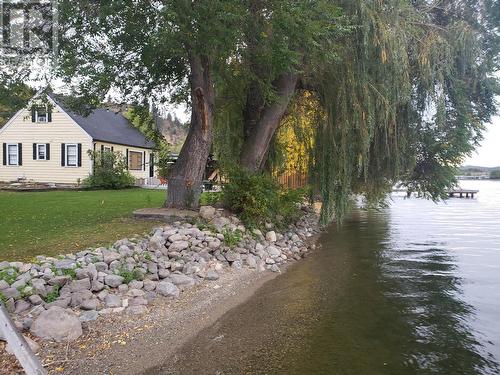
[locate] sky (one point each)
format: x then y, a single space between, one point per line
488 154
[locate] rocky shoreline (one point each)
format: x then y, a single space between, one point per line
59 299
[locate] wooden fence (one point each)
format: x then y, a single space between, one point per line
293 180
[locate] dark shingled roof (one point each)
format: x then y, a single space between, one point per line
108 126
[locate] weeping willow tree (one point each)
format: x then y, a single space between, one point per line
406 102
403 93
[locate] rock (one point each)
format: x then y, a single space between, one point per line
123 288
136 309
57 324
11 293
271 236
35 348
65 264
214 244
113 280
90 304
4 284
220 222
88 316
138 301
19 284
167 289
275 268
163 273
22 305
60 302
39 287
35 299
135 293
207 212
4 265
232 256
136 284
60 280
149 285
180 279
273 252
251 262
96 286
156 243
113 300
10 305
178 246
77 298
110 256
79 285
176 237
212 275
270 261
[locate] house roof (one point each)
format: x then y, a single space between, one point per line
107 126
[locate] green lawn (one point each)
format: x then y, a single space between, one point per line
60 222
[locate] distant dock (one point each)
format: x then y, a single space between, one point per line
462 193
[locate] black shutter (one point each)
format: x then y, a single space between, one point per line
126 158
20 153
63 154
33 111
34 151
102 148
4 152
49 115
47 151
144 160
151 165
112 149
79 154
102 154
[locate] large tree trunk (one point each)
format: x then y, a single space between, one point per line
185 180
262 123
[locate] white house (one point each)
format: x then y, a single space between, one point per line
50 144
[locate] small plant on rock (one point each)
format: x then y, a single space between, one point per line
53 295
129 276
9 275
231 238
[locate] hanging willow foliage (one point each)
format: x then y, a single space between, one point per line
401 98
405 103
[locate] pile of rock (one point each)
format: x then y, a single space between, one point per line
52 296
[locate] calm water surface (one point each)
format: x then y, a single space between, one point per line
413 289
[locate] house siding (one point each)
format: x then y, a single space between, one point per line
144 173
62 129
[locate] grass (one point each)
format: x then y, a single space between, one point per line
60 222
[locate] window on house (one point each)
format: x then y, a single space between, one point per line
135 160
107 149
71 155
13 154
41 151
41 114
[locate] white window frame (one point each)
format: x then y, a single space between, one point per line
66 155
107 148
44 151
46 115
130 159
8 154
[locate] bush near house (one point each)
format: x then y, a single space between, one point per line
110 171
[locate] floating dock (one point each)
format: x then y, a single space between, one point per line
462 193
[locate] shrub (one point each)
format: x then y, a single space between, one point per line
257 198
209 198
110 171
231 238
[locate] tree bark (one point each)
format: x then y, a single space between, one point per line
259 131
185 180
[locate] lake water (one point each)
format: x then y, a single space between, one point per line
411 289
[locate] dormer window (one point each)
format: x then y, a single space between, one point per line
41 113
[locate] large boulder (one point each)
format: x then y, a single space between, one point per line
180 279
57 324
167 289
207 212
114 281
